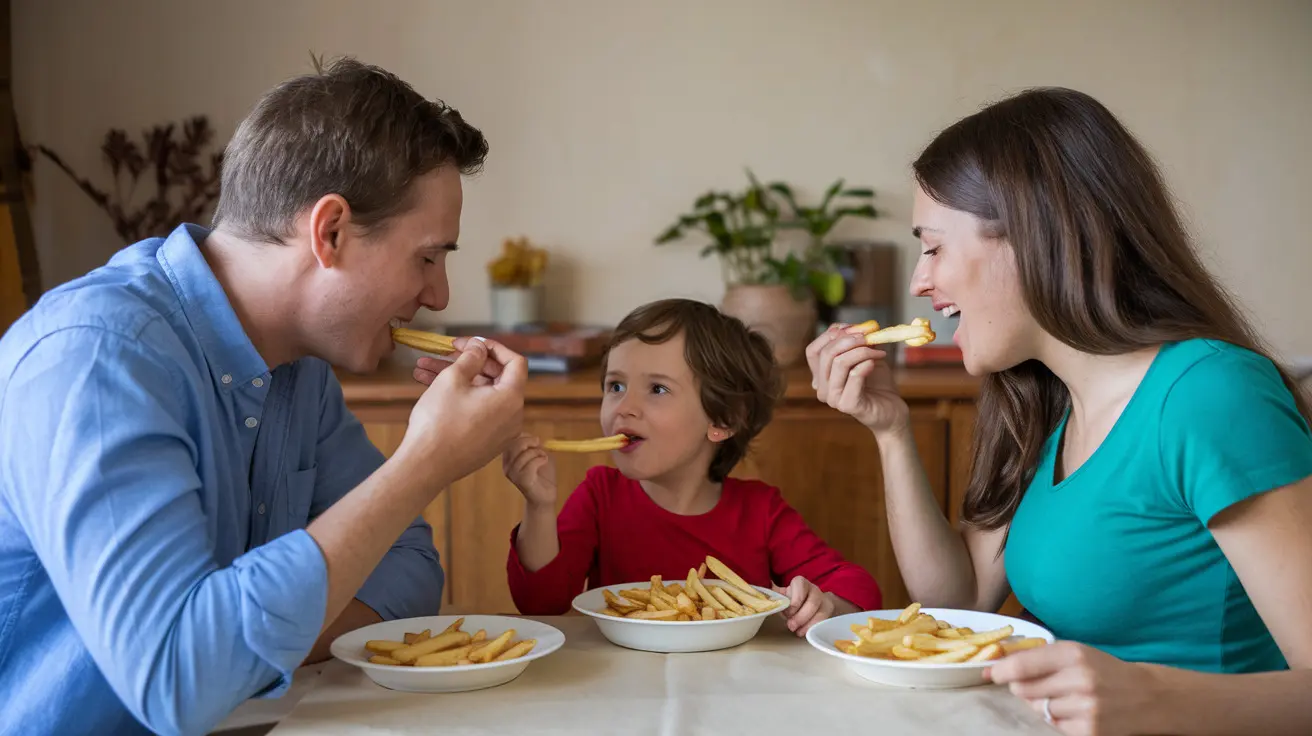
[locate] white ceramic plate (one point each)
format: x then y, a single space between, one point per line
910 673
350 649
672 636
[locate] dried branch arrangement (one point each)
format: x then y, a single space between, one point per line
184 180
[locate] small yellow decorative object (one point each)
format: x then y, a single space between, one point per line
520 264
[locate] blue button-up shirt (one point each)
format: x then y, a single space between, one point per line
155 482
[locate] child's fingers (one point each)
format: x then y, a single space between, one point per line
810 607
525 462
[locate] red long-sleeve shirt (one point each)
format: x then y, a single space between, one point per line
612 532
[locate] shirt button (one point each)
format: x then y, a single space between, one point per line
227 379
261 509
257 382
252 422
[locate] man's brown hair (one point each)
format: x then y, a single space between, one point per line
351 129
734 366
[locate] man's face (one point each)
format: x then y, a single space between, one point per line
384 276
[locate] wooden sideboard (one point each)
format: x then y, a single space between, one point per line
824 462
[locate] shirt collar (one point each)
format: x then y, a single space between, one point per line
231 355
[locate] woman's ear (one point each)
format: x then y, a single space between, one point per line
718 434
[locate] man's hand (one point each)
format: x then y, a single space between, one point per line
466 418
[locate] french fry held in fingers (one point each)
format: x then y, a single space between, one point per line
919 637
915 334
601 444
696 598
429 342
451 648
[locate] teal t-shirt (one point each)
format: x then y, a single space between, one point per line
1118 555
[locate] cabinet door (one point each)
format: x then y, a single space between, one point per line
826 465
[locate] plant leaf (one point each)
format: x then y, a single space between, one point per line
863 193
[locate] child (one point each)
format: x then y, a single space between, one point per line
691 387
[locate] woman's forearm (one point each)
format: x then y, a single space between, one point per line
1203 703
931 555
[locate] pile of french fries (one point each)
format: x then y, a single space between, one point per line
697 599
919 637
451 648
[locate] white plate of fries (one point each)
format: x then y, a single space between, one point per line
696 614
447 654
924 647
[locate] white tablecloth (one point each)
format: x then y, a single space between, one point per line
774 684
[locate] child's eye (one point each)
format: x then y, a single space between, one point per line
614 386
656 388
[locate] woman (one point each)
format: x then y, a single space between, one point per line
1142 475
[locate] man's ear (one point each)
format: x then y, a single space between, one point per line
718 434
329 221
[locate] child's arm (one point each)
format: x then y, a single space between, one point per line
797 551
549 557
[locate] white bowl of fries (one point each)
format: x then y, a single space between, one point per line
697 614
924 647
447 654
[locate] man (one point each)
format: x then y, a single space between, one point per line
187 509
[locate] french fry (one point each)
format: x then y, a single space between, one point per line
492 649
706 596
416 638
382 646
407 655
758 604
701 570
445 658
1023 644
612 612
428 342
909 613
637 596
732 578
517 651
669 615
708 614
915 334
479 636
455 625
600 444
380 659
727 600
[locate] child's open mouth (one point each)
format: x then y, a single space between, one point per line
634 441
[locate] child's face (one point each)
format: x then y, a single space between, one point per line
651 393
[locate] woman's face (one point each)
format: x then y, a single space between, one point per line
973 280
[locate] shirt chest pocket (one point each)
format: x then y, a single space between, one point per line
296 501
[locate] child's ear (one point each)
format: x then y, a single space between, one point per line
718 434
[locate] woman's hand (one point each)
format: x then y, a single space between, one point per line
856 380
1082 691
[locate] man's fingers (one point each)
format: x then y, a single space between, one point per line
493 367
514 368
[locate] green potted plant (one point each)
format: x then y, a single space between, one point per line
768 294
819 263
776 295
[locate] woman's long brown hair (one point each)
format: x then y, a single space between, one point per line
1105 263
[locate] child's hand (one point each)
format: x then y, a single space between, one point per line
531 469
808 605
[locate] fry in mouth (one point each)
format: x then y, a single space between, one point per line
600 444
428 342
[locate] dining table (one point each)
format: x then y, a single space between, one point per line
775 683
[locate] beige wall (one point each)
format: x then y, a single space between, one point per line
606 117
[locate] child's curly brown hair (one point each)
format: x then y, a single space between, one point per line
739 382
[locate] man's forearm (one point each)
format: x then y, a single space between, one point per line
1202 703
356 615
357 531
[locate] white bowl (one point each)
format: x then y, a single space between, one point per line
672 636
910 673
350 649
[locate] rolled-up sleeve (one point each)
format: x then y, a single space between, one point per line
409 580
106 489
